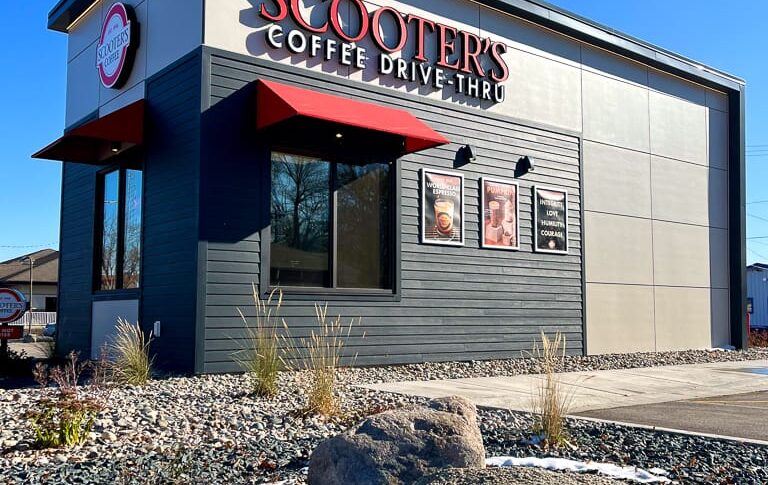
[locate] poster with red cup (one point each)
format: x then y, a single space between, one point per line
500 228
442 207
550 215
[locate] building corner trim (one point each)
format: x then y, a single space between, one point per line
737 232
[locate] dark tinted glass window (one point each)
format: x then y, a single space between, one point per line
363 226
121 216
300 221
331 223
110 231
132 231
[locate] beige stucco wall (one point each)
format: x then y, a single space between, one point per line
655 195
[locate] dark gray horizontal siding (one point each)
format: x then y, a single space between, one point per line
76 262
169 279
455 303
409 332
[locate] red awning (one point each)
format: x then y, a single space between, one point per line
278 102
97 140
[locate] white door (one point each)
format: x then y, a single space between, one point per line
105 316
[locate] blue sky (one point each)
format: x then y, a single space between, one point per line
727 35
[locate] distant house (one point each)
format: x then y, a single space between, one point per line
757 293
14 273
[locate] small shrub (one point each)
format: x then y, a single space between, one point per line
320 355
132 364
261 356
758 338
65 416
551 402
15 364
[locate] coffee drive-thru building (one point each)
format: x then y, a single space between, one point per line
461 174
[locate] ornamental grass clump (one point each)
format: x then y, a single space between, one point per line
320 355
551 400
261 357
65 415
129 349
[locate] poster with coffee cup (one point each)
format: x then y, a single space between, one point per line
550 215
500 227
442 208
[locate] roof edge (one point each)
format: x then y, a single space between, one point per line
541 13
573 25
65 12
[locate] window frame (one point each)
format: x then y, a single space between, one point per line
332 293
128 163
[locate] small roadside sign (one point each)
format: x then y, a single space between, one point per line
13 305
14 332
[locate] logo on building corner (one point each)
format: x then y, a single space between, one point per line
117 46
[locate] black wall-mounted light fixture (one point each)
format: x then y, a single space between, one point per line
116 147
524 165
464 155
469 153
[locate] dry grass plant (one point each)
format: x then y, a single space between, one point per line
129 349
261 356
320 355
63 417
552 401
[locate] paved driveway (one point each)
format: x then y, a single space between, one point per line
37 350
738 415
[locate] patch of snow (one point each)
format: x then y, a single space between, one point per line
724 348
655 475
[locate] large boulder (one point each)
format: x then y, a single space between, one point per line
401 446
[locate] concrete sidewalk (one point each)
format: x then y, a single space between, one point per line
603 389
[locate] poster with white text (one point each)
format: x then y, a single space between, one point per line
550 208
442 208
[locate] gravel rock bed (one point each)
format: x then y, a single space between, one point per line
688 459
511 476
194 430
210 430
512 367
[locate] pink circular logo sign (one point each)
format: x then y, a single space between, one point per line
12 305
116 46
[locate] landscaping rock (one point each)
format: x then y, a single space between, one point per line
270 440
511 476
401 446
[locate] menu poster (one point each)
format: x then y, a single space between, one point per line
500 228
550 214
442 208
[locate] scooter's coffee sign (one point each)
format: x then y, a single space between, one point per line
464 62
13 305
117 45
